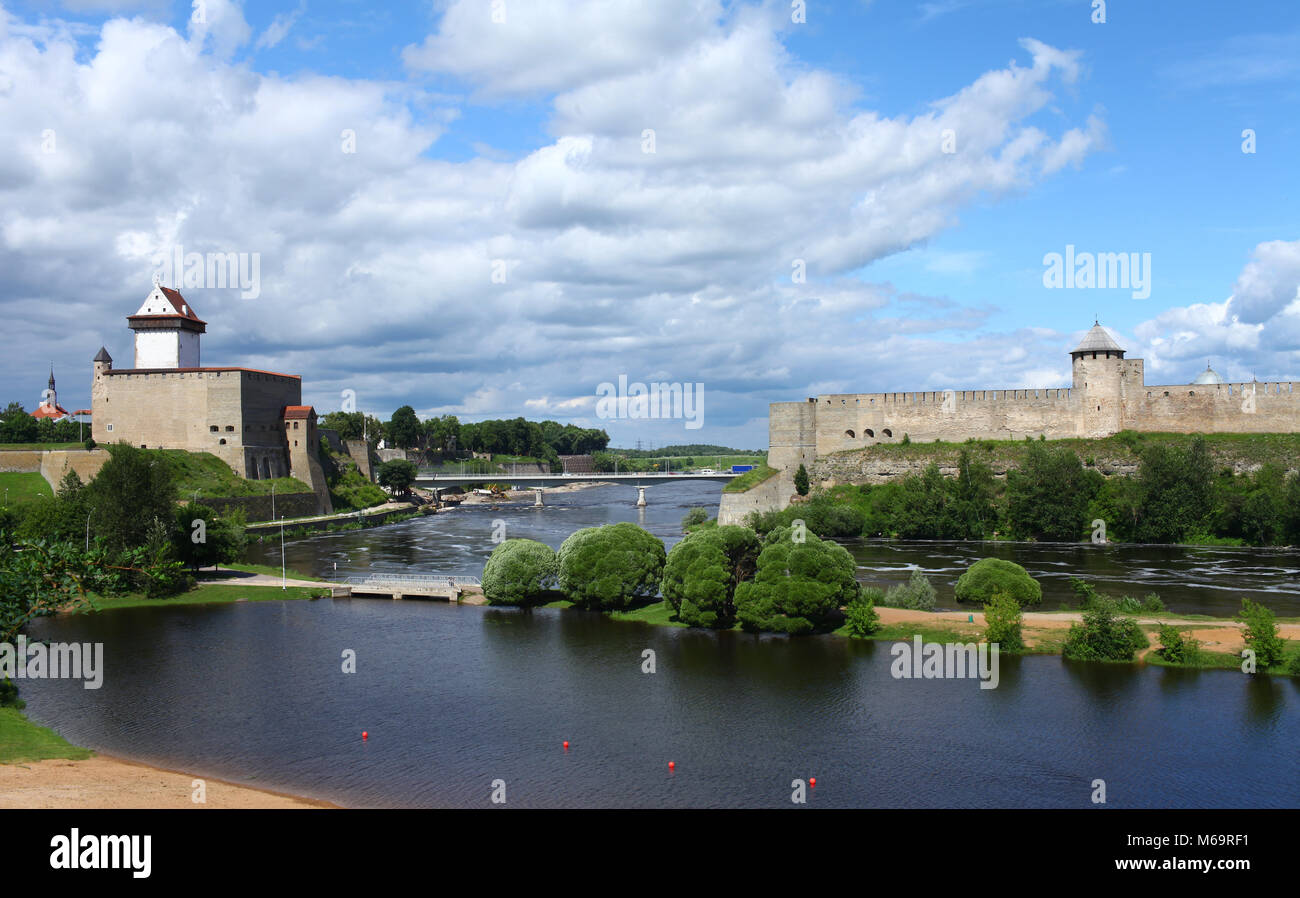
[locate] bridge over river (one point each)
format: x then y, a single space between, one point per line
436 480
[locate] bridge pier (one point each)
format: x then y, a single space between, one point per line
538 502
640 497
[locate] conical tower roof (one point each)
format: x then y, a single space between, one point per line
1098 339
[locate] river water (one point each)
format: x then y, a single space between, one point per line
457 697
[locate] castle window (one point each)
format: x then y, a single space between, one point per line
848 433
1166 392
213 428
295 442
887 432
1191 392
110 428
295 425
230 428
221 442
869 433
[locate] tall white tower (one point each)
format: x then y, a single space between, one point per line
166 331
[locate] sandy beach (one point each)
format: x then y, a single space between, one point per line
108 782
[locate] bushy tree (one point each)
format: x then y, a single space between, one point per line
212 541
1261 634
917 593
1176 648
1176 487
702 572
519 572
1104 636
860 615
801 481
989 576
610 567
1002 622
799 586
397 474
1048 496
694 517
132 493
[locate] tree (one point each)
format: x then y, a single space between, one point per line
702 572
211 541
519 572
397 475
799 586
1002 623
1047 498
694 517
860 615
916 594
990 576
1176 648
1261 634
132 491
1104 636
610 567
404 430
1176 486
16 425
801 481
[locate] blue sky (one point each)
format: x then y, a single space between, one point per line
522 141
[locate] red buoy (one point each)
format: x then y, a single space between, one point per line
566 745
671 765
812 781
364 736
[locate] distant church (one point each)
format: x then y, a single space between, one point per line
252 420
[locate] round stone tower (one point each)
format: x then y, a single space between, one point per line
1099 369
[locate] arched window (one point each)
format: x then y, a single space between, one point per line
850 434
869 433
221 442
887 432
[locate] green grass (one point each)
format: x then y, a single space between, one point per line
211 594
23 487
658 613
750 479
269 570
41 446
558 603
210 477
905 631
21 740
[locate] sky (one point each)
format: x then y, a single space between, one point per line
490 208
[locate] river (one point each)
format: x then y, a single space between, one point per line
457 697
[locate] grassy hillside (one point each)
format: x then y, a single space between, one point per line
19 488
750 479
210 477
22 740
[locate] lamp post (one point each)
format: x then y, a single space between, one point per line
282 576
273 500
88 514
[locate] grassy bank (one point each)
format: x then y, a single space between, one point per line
18 487
750 479
211 478
214 594
21 740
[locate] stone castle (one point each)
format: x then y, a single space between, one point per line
252 420
1108 394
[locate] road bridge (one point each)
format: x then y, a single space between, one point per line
436 480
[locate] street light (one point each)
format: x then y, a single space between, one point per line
282 577
88 514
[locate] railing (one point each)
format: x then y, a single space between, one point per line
431 580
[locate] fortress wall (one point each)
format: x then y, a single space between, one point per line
145 409
770 495
851 421
1222 408
86 462
791 435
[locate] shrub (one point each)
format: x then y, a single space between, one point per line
1129 605
1261 634
860 616
694 517
799 586
519 572
702 572
801 481
1175 648
610 567
1153 603
1003 619
988 576
9 695
1104 637
917 593
1293 667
